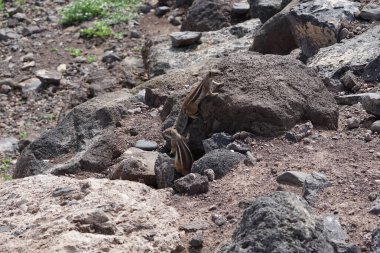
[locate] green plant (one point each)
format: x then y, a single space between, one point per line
99 29
1 5
119 35
51 116
4 166
54 50
22 135
74 52
91 58
19 2
137 49
82 10
7 177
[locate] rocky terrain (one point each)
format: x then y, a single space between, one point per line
285 152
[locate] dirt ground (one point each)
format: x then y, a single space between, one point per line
351 163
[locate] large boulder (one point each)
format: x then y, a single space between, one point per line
351 54
83 141
160 57
265 9
61 214
280 222
267 95
207 15
308 24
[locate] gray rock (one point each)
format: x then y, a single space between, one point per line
370 12
9 82
333 85
135 34
146 145
197 240
135 165
239 9
352 123
265 9
49 76
265 97
351 99
165 171
317 24
371 103
296 178
86 133
19 16
144 8
191 184
206 15
181 39
375 127
162 10
110 57
27 57
210 174
31 29
299 132
218 219
8 144
194 226
176 21
350 81
238 146
8 34
376 240
30 85
217 141
219 160
375 209
160 57
180 3
5 89
279 222
371 72
312 185
351 54
372 196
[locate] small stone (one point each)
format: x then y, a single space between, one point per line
371 103
194 226
182 39
370 12
80 59
19 16
218 219
8 144
135 34
144 8
216 141
49 76
375 209
5 89
162 10
110 57
8 82
146 145
352 123
27 57
238 147
210 174
312 185
29 30
372 196
375 127
368 137
30 85
343 34
192 184
350 81
212 208
296 178
28 65
176 21
240 9
299 132
197 240
62 68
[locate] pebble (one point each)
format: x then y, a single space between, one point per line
27 57
197 240
352 123
162 10
8 144
194 226
218 219
5 89
182 39
296 178
49 76
210 174
375 127
110 57
28 65
372 196
30 84
146 145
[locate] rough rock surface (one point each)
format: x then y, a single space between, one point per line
219 160
371 103
267 94
376 240
207 15
296 178
159 56
135 165
351 54
279 222
83 140
191 184
265 9
46 213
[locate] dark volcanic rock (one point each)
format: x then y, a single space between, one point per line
267 94
312 185
181 39
296 178
265 9
165 171
192 184
207 15
217 141
219 160
279 222
371 103
85 133
351 54
376 240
